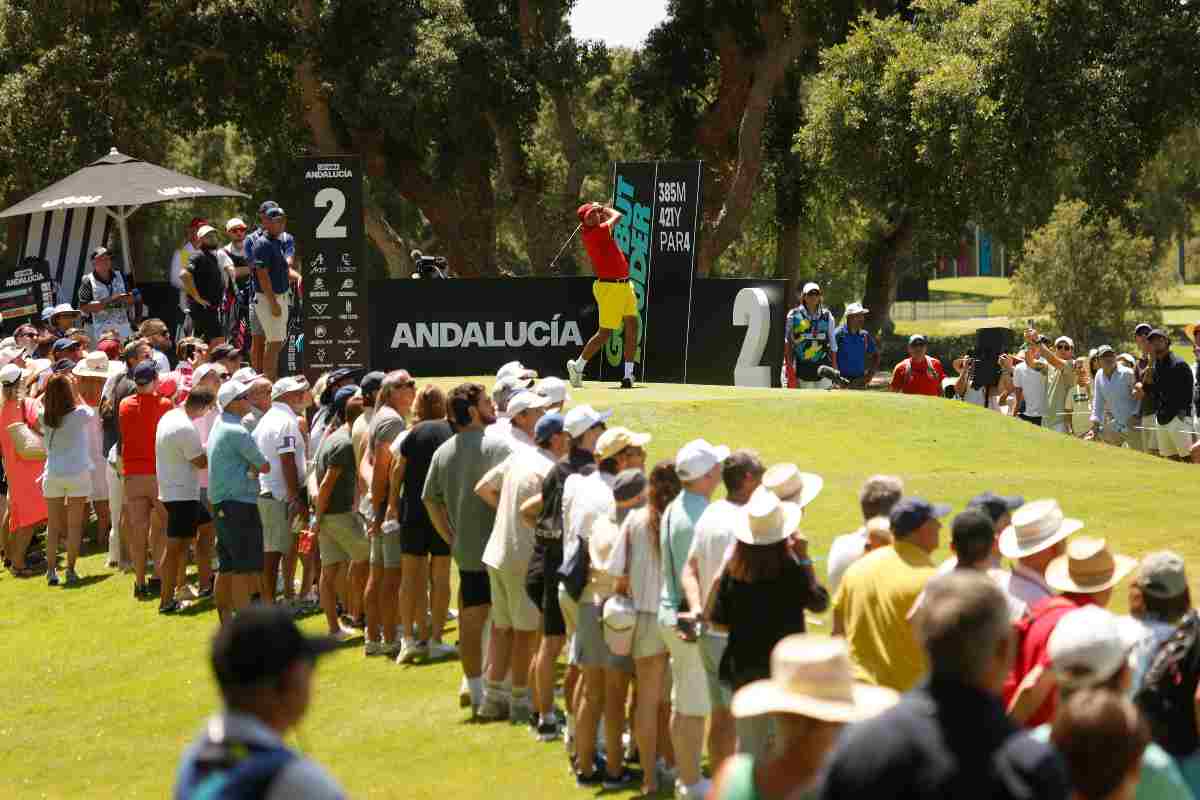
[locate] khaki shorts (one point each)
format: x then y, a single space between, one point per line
1176 437
616 301
511 606
689 695
712 649
277 528
647 638
55 487
274 328
386 550
342 539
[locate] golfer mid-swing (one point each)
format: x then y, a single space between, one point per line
612 290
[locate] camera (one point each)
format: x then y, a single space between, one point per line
429 266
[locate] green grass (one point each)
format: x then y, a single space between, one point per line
104 694
979 287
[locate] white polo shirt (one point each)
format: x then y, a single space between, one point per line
176 443
278 432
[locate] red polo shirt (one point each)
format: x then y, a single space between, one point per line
138 417
923 378
607 259
1033 634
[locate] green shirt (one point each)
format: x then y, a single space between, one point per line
337 451
1059 385
678 529
1160 779
457 466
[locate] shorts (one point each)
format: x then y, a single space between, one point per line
184 517
274 329
712 648
590 648
474 588
276 527
689 695
616 301
647 638
141 487
56 486
239 538
386 550
342 539
422 540
1175 438
1149 438
511 606
541 584
206 323
99 482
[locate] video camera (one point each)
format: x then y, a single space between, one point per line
429 266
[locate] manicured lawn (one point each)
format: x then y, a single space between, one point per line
103 694
982 287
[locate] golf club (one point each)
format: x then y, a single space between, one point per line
563 249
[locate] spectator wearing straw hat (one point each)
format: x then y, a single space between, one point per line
872 603
1084 575
716 534
857 353
1090 650
761 596
811 696
1033 539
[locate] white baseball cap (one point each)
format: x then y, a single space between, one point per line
810 287
555 389
286 385
856 308
524 401
516 369
696 458
205 230
10 374
245 375
206 369
1088 646
1065 339
230 391
236 222
581 419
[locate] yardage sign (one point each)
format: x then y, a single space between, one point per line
333 262
660 202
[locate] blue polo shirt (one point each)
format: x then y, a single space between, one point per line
852 350
271 254
232 455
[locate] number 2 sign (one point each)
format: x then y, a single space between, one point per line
752 310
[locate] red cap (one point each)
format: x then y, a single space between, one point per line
197 222
110 348
584 209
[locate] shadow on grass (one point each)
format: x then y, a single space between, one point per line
87 580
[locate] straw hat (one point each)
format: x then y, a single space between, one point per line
96 365
1034 527
1190 331
614 440
1088 567
792 485
770 520
811 676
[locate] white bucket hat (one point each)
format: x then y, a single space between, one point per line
768 519
811 676
1034 527
96 365
789 483
856 308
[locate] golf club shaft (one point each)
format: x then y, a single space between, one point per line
563 249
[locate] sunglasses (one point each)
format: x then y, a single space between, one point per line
407 385
1062 347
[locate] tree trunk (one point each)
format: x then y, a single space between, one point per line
527 192
881 274
787 256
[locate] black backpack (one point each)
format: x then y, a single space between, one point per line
1166 697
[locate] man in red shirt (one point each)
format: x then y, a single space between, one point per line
1086 575
138 418
613 292
919 373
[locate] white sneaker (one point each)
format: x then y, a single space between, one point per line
410 651
375 648
345 634
697 791
575 373
441 650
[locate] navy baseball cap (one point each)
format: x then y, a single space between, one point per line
1158 332
996 506
913 512
371 382
1143 329
64 344
276 213
261 643
267 205
341 397
547 426
145 373
63 365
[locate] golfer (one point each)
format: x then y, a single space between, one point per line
612 290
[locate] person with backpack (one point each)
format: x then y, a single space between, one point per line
1089 650
264 670
1085 575
920 373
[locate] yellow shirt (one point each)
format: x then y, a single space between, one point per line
873 601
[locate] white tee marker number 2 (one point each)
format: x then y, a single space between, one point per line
752 310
